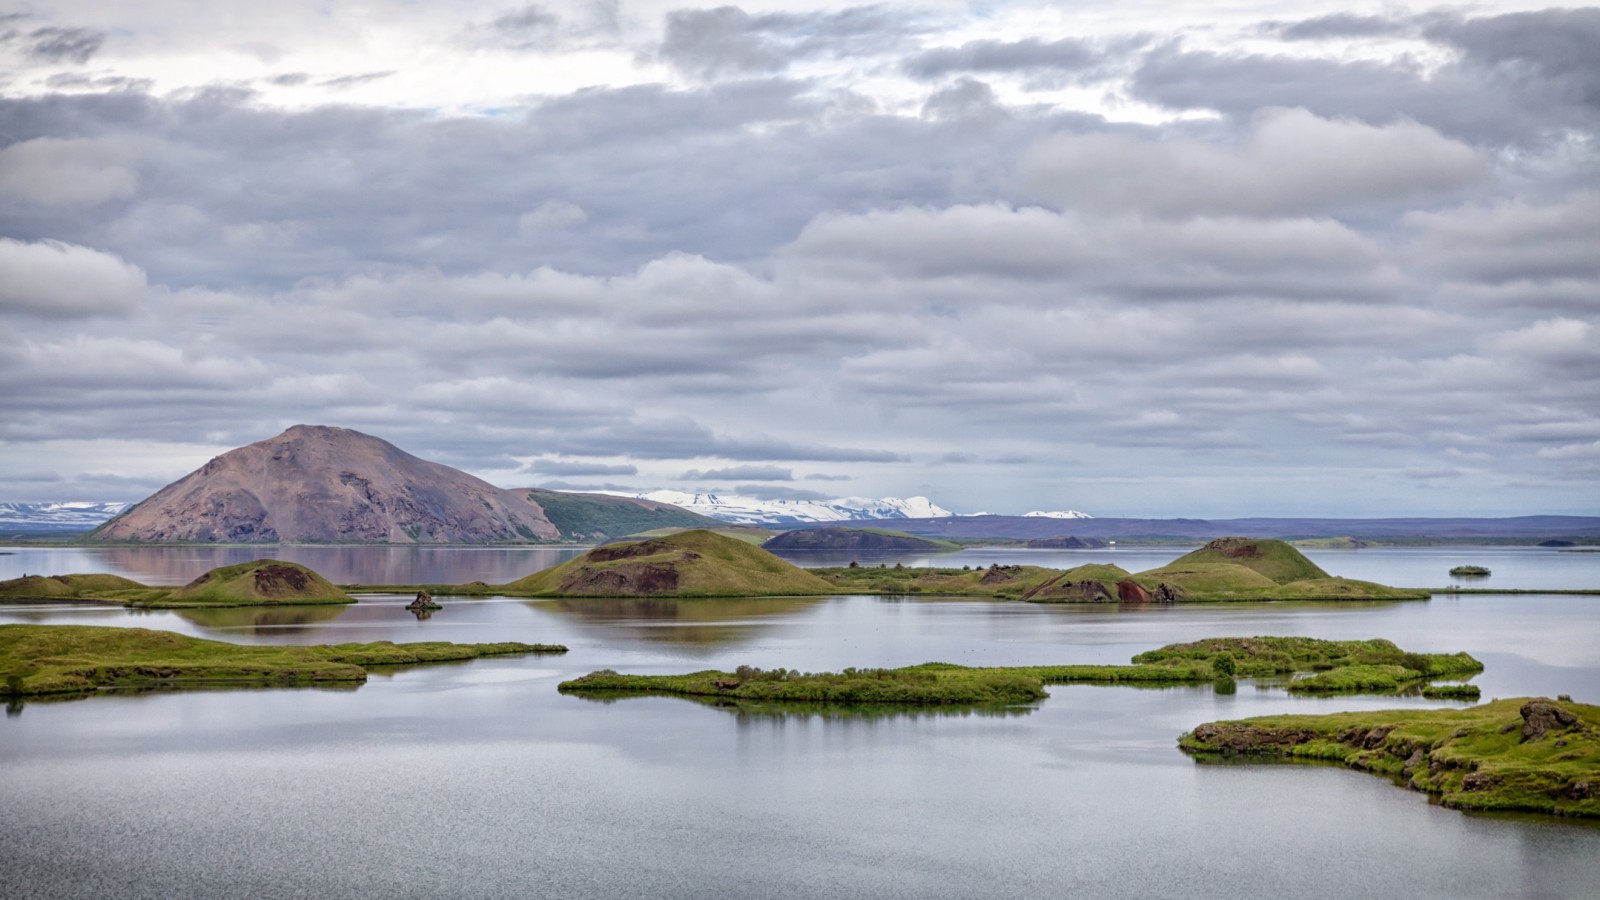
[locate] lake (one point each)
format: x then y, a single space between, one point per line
478 779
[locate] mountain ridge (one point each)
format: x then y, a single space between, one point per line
322 484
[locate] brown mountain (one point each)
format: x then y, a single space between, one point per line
314 483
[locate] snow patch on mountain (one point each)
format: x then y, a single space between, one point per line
1062 514
73 515
740 510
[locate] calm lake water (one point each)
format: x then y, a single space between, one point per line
480 780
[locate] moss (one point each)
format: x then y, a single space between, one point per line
74 659
687 564
1530 754
66 587
945 683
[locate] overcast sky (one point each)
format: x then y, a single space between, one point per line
1262 258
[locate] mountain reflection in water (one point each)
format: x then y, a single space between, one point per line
280 619
705 622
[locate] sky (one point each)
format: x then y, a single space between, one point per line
1130 258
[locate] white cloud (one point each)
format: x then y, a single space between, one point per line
66 172
57 280
1289 163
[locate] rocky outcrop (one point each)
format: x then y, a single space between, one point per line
1064 589
1134 592
1540 717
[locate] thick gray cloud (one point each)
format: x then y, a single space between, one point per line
749 473
1027 55
1520 78
74 45
1339 283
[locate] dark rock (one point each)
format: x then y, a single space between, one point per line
1540 717
1132 592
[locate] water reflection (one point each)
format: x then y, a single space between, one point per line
258 620
707 622
361 564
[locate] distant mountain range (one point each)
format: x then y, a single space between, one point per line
741 510
66 516
1583 529
319 484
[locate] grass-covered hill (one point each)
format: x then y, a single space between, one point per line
687 564
1278 561
65 587
598 517
1532 754
260 582
870 539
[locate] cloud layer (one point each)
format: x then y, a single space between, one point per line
1242 263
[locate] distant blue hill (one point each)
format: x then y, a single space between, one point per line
1580 529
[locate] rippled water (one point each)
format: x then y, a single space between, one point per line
479 779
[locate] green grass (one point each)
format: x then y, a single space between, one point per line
688 564
1278 561
1504 755
1470 572
37 660
66 587
1362 665
597 517
1451 691
943 683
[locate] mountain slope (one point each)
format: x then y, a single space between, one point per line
315 483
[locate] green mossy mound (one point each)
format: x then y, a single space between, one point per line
38 660
66 587
1373 666
1278 561
687 564
261 582
1531 754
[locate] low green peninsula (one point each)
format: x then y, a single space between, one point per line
1226 569
43 660
261 582
1529 754
1199 662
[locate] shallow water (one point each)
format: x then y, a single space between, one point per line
1513 568
479 779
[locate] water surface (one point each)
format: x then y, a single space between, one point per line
479 779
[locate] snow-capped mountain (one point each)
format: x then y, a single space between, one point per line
1063 514
70 516
740 510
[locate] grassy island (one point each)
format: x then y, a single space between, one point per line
943 683
1470 572
687 564
42 660
1536 754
